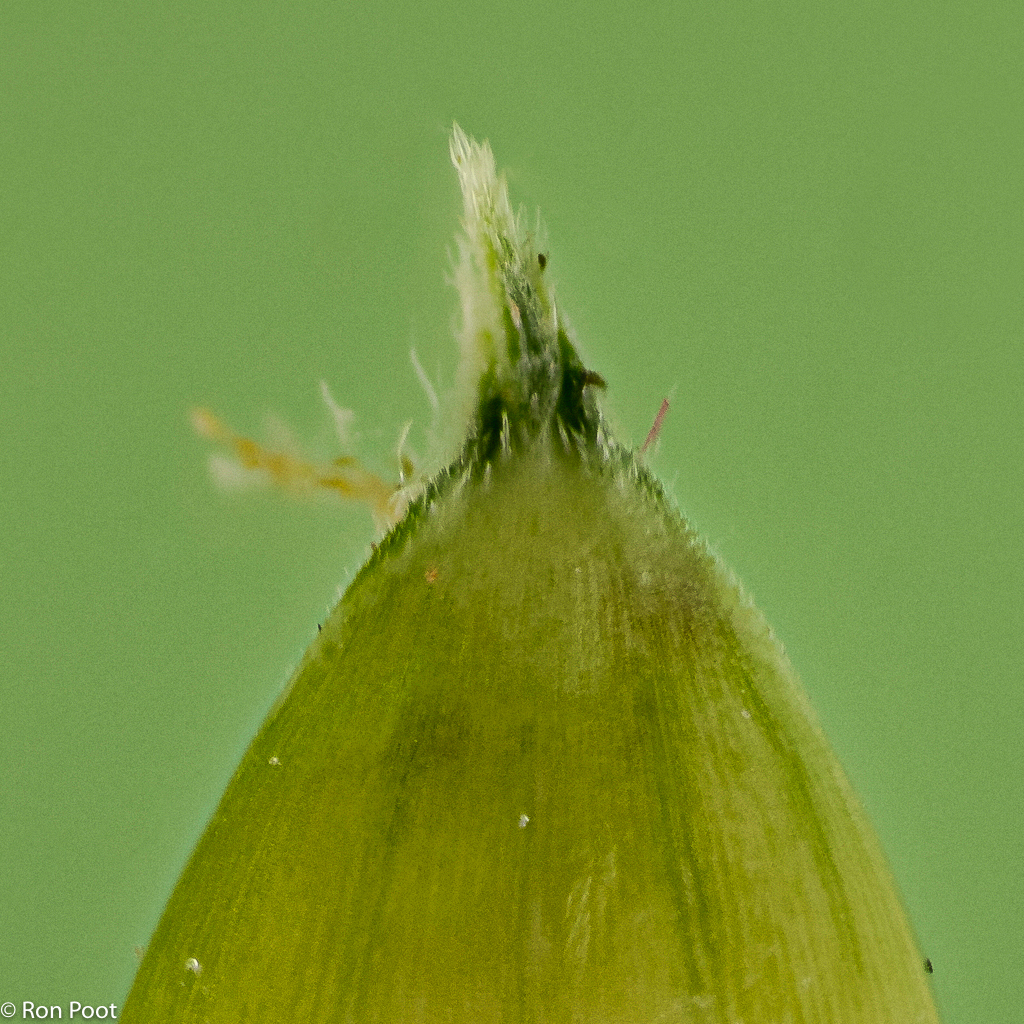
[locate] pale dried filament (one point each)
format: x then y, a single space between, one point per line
343 476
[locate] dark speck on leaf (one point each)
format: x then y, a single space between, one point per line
928 966
542 260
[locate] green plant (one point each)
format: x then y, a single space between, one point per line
545 762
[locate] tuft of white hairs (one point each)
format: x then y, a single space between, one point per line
487 219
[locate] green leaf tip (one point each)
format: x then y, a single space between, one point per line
545 763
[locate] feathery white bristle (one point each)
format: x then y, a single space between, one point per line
487 219
424 380
343 418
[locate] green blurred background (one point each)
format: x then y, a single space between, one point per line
802 221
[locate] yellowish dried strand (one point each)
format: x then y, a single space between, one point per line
345 476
